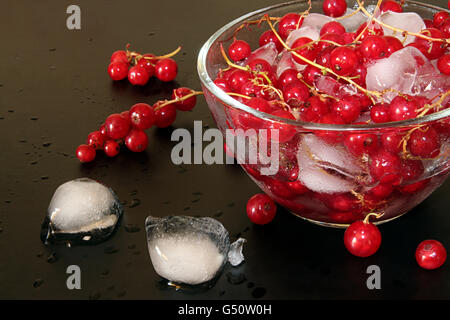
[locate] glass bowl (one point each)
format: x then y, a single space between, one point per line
319 178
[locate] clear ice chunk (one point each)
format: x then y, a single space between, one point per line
286 62
190 250
304 31
352 23
325 168
267 52
81 211
407 21
315 21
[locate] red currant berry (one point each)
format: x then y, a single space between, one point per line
85 153
431 49
307 49
349 108
439 18
361 143
261 209
288 77
166 69
102 130
289 22
111 148
222 84
348 37
237 79
385 167
402 109
362 239
117 126
444 64
148 64
380 113
164 116
393 44
412 170
118 70
142 116
374 47
414 188
310 74
96 140
373 29
136 140
342 202
185 105
389 5
445 28
138 75
331 137
295 94
381 191
119 56
326 41
343 61
430 254
332 27
285 131
314 108
391 141
323 58
334 8
424 142
239 50
269 36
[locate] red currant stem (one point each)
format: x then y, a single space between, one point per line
376 215
349 15
419 35
178 99
165 56
437 104
361 6
238 95
324 69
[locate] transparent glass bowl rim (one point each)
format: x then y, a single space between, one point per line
229 101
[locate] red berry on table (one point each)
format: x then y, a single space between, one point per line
164 116
334 8
187 104
111 148
119 56
117 126
166 69
424 142
261 209
332 27
288 23
362 238
389 5
102 130
138 75
136 140
85 153
430 254
95 140
118 70
269 36
307 49
239 50
444 64
439 18
142 116
148 64
343 61
385 167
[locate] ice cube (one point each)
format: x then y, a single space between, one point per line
81 211
267 52
333 87
286 62
190 250
352 23
315 21
325 168
304 31
406 70
406 21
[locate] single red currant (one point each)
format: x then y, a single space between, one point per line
288 76
411 170
119 56
138 75
261 209
295 94
424 142
237 79
439 18
142 116
332 27
364 31
222 84
111 148
430 254
343 61
306 49
118 70
362 238
289 22
385 167
310 74
431 49
389 5
314 108
402 109
239 50
373 47
164 116
136 140
148 64
444 64
96 140
380 113
117 126
327 40
166 69
394 44
445 28
391 141
334 8
349 108
185 105
85 153
361 143
269 36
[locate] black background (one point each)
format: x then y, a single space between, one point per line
54 90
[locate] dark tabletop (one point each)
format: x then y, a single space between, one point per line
54 90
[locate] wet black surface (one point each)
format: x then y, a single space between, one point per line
54 90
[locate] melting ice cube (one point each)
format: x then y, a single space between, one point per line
407 21
81 211
325 168
190 250
304 31
286 62
316 21
353 22
267 52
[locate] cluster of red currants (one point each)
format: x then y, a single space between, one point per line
129 126
143 67
362 238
